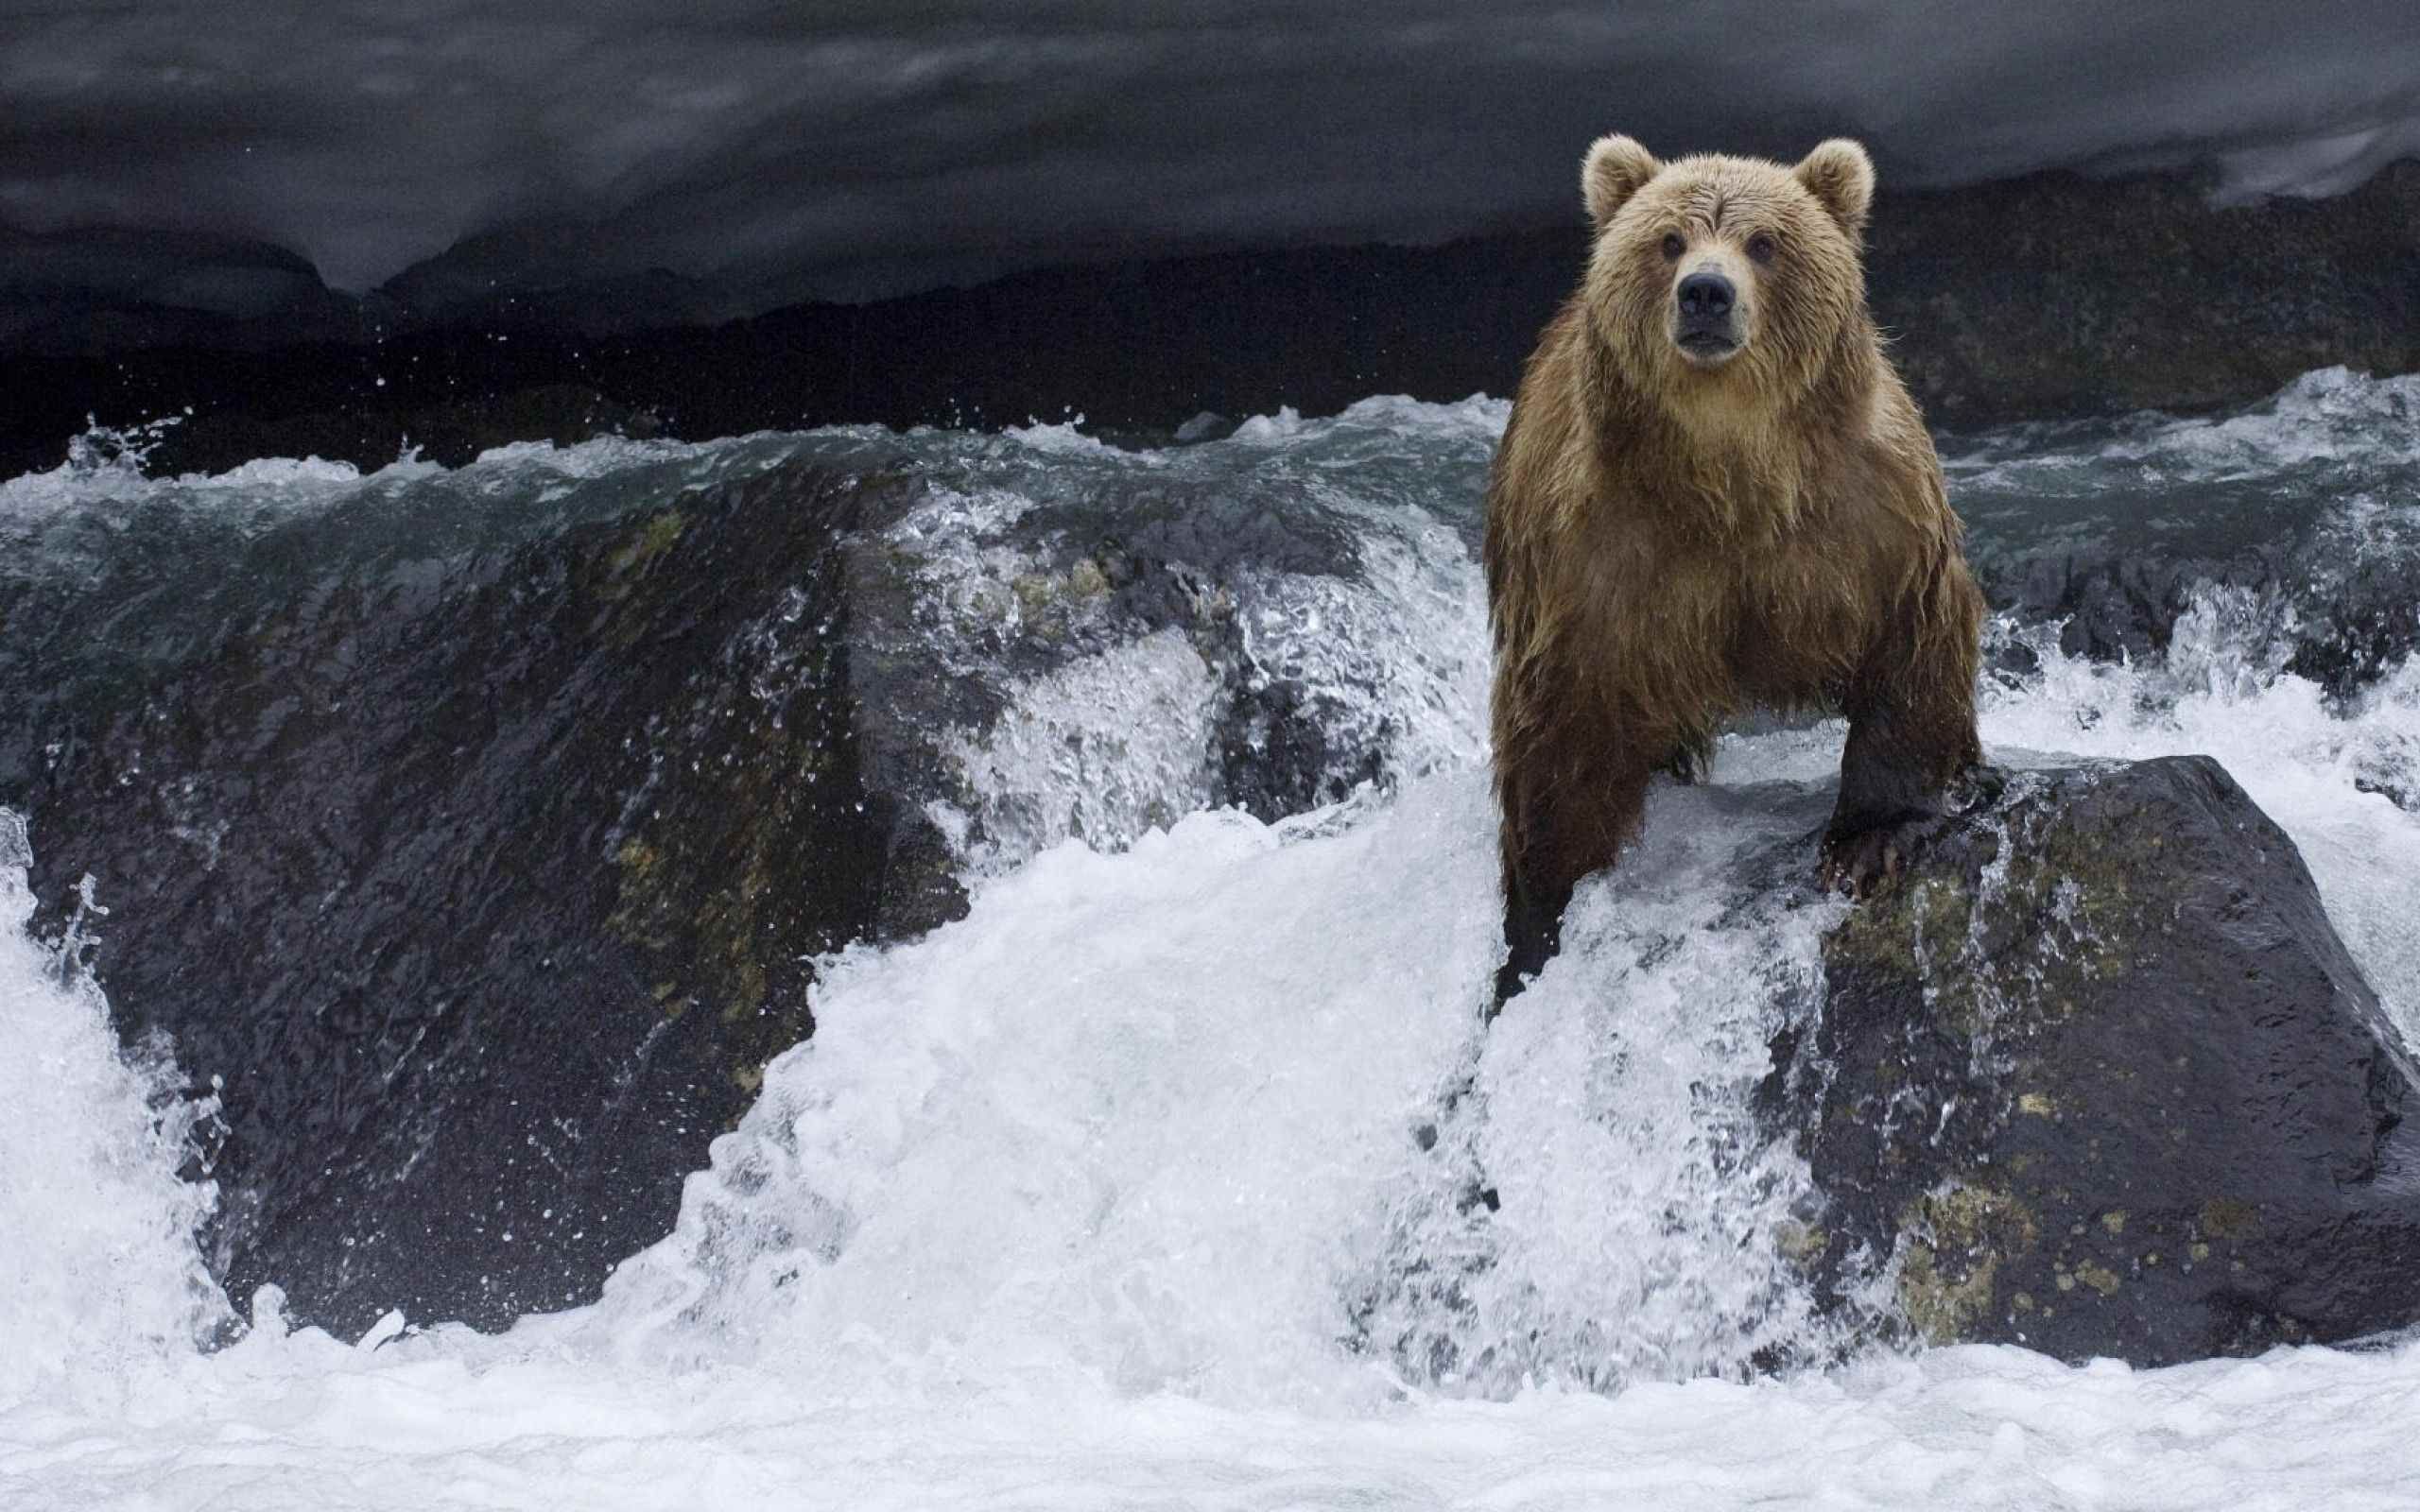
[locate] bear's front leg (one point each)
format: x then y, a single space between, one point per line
1558 828
1911 734
1887 800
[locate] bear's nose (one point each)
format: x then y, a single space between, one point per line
1706 293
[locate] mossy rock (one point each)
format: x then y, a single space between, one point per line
547 839
2097 1076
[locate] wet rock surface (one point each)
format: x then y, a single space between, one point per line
2288 519
478 870
2098 1077
2057 294
477 887
2344 627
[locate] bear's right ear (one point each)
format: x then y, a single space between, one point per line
1615 169
1840 175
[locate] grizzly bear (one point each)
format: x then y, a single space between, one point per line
1714 493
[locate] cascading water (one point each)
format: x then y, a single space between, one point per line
1182 1170
102 1281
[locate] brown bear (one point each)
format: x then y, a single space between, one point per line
1714 492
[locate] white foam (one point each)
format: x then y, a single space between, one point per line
1399 653
101 1281
1098 1131
1639 1210
2329 416
103 477
1103 749
1389 414
1066 438
1072 1204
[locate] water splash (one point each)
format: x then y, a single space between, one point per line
1101 1129
103 1280
1102 750
2343 777
1604 1206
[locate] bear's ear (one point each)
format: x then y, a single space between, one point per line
1615 169
1840 175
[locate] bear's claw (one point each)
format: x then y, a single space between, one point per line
1863 864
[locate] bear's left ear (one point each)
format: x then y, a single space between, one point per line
1840 175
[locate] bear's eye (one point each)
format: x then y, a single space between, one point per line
1761 247
1673 246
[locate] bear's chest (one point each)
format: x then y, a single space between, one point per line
1804 621
1780 621
1807 612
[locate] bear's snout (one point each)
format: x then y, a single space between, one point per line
1706 326
1706 295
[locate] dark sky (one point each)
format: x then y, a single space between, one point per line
855 147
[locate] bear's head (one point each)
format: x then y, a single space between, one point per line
1725 281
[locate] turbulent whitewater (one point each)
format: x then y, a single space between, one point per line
1154 1181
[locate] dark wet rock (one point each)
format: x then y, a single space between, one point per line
480 888
2342 624
2061 295
479 864
2097 1076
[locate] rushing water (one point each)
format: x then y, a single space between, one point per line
1148 1183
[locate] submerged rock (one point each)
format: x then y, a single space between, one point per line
2098 1077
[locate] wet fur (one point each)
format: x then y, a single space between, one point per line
1668 546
